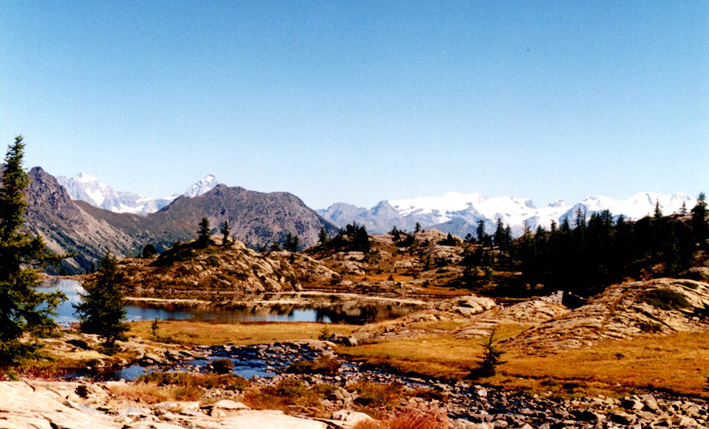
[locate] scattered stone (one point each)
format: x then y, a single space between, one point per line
350 418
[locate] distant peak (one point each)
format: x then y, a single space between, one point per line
83 177
202 187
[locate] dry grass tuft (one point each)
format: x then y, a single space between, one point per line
409 420
284 395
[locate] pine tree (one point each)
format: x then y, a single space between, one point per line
225 233
101 310
292 243
203 233
658 211
322 236
22 308
480 230
499 237
490 359
699 220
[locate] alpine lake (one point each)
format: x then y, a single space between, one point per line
275 307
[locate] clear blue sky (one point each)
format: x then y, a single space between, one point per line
362 101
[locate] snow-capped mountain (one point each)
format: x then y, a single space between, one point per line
459 213
90 189
202 187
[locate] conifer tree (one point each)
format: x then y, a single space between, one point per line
658 211
292 243
203 233
322 236
480 230
22 308
699 220
225 233
101 310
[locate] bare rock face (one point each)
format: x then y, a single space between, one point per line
624 311
67 228
524 313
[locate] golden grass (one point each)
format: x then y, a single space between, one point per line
211 334
408 420
383 276
676 363
440 355
147 393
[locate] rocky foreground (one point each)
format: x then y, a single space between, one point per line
83 404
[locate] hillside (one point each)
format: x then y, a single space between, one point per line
191 268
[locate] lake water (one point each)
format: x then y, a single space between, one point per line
337 312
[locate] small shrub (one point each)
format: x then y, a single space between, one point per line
154 328
429 394
109 349
222 366
185 385
649 328
325 390
93 363
286 393
213 261
377 395
325 334
570 386
323 365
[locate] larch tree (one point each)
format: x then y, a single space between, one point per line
22 308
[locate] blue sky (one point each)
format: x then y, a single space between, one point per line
363 101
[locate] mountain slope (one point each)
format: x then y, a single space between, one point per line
257 219
67 228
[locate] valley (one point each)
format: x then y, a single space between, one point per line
398 324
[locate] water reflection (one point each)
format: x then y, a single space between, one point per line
267 308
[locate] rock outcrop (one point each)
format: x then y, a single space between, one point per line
36 404
234 268
624 311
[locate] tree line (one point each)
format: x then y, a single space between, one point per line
602 249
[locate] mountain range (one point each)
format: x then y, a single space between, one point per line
453 212
459 213
90 189
86 217
86 232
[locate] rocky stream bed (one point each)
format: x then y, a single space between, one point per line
466 405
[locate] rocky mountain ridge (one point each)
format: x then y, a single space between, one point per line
87 232
84 187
